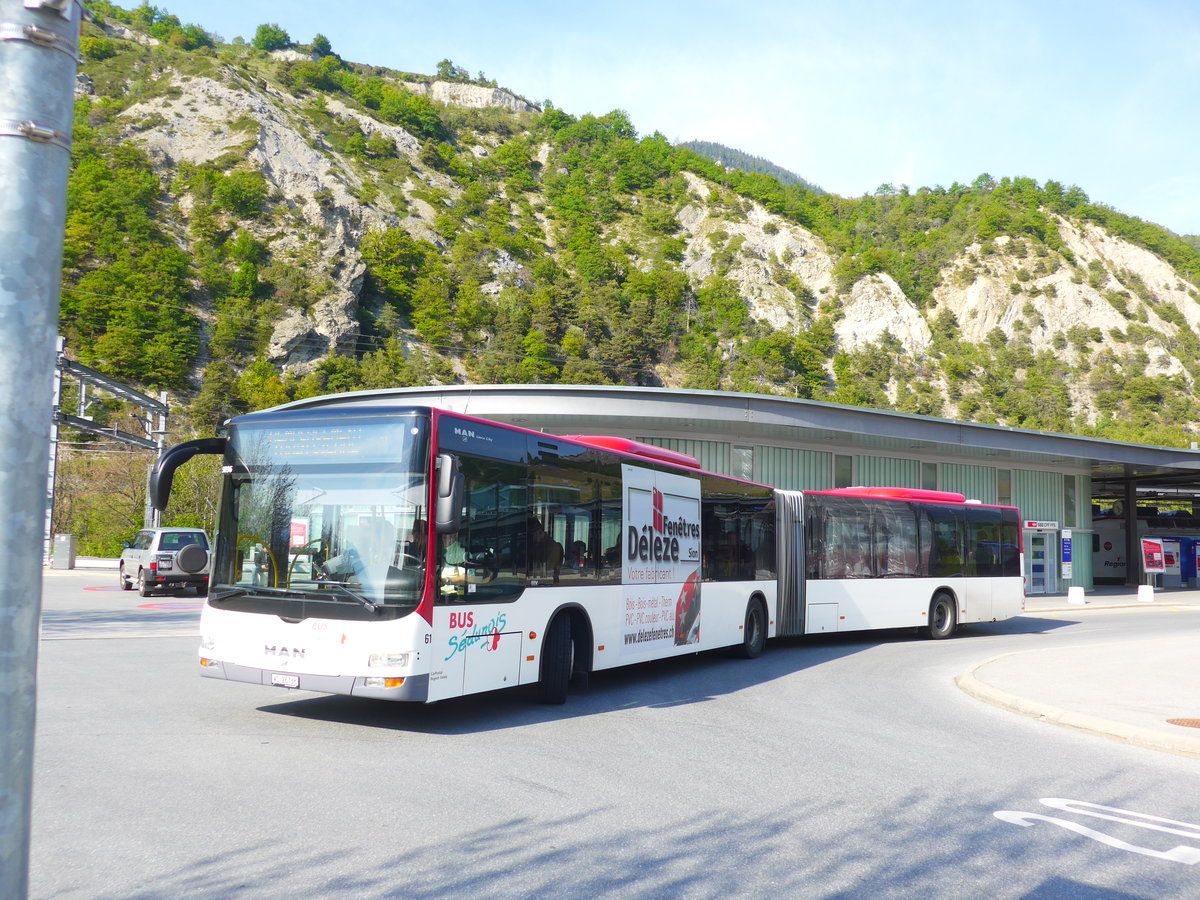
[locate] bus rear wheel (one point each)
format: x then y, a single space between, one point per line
754 632
943 617
558 659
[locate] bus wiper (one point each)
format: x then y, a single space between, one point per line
227 595
355 595
251 590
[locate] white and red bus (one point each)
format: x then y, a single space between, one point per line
410 553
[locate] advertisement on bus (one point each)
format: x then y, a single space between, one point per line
661 574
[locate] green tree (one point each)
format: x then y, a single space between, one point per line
394 260
241 193
431 310
448 71
321 45
271 37
260 386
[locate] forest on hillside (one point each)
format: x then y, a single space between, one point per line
550 251
732 158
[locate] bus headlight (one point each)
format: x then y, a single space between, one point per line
377 660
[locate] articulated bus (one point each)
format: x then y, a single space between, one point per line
410 553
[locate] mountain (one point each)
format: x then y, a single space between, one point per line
730 158
250 224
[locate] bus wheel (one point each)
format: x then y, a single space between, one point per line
558 658
754 633
942 617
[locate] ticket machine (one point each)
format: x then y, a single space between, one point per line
1172 574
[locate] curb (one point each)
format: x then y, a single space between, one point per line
1133 735
1092 607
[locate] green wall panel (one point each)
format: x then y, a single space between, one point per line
1039 495
794 470
886 471
973 482
713 455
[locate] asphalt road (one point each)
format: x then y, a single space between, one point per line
848 766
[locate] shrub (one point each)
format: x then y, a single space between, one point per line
271 37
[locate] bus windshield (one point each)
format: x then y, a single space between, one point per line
330 511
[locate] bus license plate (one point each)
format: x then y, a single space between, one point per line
288 681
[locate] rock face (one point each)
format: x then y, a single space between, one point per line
205 119
208 119
1112 286
769 252
475 96
875 308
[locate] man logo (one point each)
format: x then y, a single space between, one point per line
283 652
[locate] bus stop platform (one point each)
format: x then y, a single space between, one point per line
1140 692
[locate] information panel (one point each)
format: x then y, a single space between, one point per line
1152 555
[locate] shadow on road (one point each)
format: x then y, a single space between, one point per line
809 847
657 684
173 613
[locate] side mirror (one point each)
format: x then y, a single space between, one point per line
164 470
126 545
448 512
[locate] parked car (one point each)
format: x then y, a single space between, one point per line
165 559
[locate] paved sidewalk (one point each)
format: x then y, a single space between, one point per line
1126 691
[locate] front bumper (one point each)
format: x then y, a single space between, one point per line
414 689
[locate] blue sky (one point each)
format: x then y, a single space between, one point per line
848 95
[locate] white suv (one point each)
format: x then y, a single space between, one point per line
168 558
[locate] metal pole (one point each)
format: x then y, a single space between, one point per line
152 517
1133 548
52 476
160 438
38 56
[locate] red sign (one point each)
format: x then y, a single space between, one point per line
1152 555
299 533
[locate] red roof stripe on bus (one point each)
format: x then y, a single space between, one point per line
636 448
898 493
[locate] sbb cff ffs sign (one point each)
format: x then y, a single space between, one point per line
1040 526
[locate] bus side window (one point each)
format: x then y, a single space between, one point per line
895 541
945 546
605 543
814 544
1010 540
983 541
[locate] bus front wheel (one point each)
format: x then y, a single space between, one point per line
558 659
942 617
